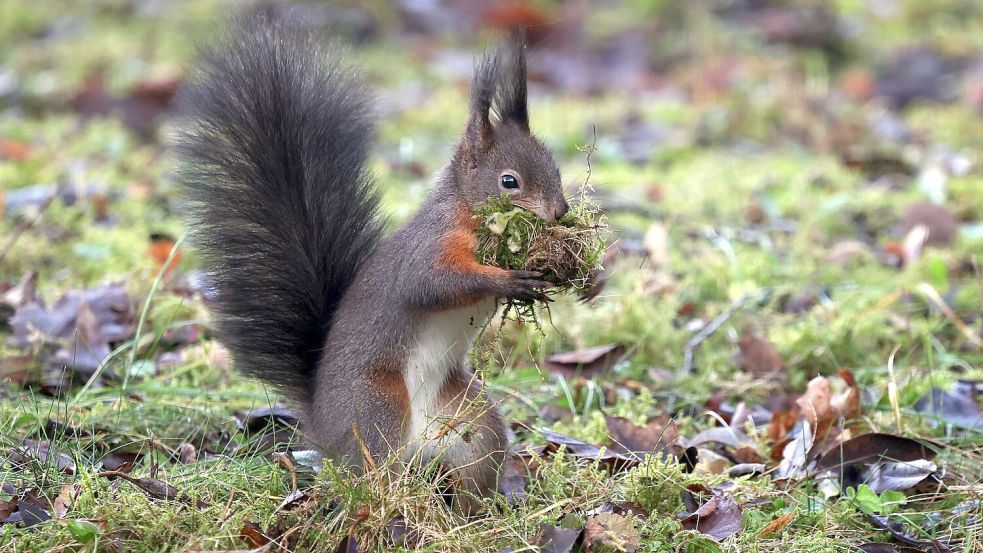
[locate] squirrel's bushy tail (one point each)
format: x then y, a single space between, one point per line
272 157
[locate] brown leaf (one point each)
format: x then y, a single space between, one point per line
631 438
869 448
588 362
815 402
7 506
781 423
777 525
158 489
253 534
719 518
758 356
66 497
401 534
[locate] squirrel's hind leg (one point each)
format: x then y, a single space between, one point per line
474 443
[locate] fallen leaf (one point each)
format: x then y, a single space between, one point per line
153 487
758 356
620 507
896 476
581 450
611 532
63 502
848 252
628 437
873 447
719 518
588 362
777 525
726 435
512 480
960 407
253 534
293 499
556 539
815 402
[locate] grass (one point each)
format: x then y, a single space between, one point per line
745 211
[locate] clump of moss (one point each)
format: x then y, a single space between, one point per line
566 252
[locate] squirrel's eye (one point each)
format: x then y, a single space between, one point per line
509 181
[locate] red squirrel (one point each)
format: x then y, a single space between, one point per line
369 334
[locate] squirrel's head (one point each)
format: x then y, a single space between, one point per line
498 153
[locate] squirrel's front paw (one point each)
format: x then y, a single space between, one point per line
526 286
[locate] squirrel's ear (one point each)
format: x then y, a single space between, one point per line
511 102
479 130
499 84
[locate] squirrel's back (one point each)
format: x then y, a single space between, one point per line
282 211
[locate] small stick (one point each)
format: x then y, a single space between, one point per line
709 329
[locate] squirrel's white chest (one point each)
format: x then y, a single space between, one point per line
442 343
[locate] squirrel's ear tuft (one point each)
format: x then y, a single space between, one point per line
499 85
511 86
482 97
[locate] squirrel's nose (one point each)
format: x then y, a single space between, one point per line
561 210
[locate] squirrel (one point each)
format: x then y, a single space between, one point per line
369 334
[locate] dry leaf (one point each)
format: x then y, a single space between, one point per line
586 362
719 518
777 525
758 356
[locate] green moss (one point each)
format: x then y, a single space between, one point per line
566 253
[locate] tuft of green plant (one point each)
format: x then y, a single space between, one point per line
566 252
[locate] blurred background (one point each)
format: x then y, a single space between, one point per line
794 190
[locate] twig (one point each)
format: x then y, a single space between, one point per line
712 327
